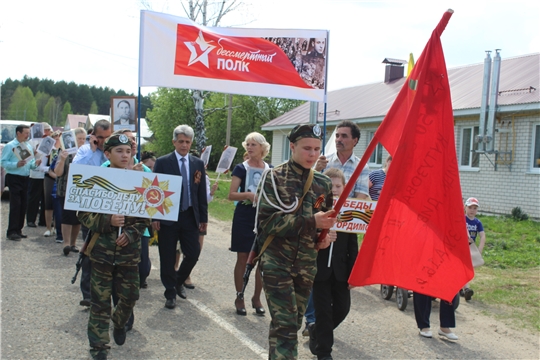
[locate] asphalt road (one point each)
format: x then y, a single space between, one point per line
41 316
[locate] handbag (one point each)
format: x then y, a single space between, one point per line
476 256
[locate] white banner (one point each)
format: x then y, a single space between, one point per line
125 192
355 215
175 52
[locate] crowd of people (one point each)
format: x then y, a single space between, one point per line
280 212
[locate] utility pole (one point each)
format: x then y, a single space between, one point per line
229 119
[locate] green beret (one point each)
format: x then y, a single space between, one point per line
305 131
116 140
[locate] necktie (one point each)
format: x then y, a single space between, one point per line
185 196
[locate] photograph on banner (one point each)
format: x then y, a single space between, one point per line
22 152
205 156
68 143
123 113
114 191
253 178
354 216
226 159
283 63
37 131
46 146
308 57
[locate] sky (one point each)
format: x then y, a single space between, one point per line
97 42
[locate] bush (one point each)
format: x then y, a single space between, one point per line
518 214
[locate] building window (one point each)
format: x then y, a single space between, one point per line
376 156
286 150
469 158
535 163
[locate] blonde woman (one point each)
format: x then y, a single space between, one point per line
243 236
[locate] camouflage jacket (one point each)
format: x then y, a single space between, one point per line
105 249
293 231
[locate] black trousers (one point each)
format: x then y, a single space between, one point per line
332 300
145 265
36 200
422 311
186 231
18 201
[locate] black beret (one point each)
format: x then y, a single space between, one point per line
116 140
305 131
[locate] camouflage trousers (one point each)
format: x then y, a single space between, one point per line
287 285
125 280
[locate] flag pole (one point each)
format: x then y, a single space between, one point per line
352 180
139 125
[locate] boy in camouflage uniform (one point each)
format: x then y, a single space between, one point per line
114 262
288 264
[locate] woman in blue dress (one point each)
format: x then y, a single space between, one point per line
244 217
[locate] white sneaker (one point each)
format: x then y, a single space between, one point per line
47 233
449 336
426 334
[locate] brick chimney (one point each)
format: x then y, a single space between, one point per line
395 69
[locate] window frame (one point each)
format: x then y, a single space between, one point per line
475 130
534 140
285 150
377 153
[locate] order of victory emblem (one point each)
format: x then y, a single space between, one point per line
155 195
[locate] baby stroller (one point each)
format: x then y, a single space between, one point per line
402 296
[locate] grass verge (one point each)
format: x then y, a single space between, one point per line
221 207
510 279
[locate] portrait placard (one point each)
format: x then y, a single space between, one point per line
354 216
126 192
205 156
46 146
226 159
68 142
253 178
37 131
123 113
22 152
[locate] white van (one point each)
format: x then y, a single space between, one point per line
7 129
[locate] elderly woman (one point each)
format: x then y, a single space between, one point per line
244 217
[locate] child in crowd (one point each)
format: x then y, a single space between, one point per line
331 293
114 260
475 228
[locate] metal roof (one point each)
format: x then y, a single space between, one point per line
518 77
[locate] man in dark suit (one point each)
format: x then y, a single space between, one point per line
192 217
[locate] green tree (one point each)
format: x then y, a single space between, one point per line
93 108
66 110
23 105
49 111
52 112
249 114
41 100
170 108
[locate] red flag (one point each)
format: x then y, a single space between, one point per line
417 238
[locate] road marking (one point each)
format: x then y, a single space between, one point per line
231 329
